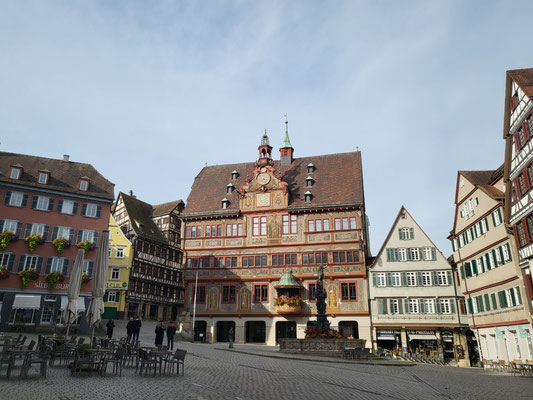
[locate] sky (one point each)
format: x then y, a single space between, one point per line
149 92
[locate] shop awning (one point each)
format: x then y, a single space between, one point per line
422 337
385 337
27 301
81 303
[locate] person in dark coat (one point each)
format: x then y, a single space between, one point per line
159 333
110 325
171 331
136 329
129 329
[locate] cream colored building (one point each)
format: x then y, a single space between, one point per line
118 276
490 276
414 302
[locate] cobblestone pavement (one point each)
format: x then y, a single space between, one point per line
260 372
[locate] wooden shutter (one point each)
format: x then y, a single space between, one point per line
389 279
75 208
71 236
421 306
374 278
96 242
400 306
11 262
84 209
419 278
412 233
19 229
437 306
449 276
78 237
469 304
48 265
452 305
404 278
24 200
473 265
54 233
390 255
59 205
406 305
65 266
22 259
434 278
468 271
46 232
98 211
90 269
7 197
39 264
509 251
28 230
51 204
433 253
462 270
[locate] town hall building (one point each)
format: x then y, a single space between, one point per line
255 235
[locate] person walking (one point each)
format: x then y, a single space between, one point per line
136 329
159 333
171 331
130 327
110 325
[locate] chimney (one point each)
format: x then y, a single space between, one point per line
66 157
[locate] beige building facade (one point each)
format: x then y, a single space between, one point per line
489 272
414 300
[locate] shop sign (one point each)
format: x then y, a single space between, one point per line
417 332
44 285
387 332
116 285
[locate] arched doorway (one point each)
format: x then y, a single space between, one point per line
473 349
349 329
200 331
255 331
285 330
223 328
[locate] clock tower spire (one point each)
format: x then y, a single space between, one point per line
265 151
286 150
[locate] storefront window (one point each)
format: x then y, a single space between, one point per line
23 315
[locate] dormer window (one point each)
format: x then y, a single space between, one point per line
308 196
225 203
310 168
43 177
309 181
230 188
234 174
84 185
15 173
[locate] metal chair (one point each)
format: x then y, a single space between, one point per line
8 359
147 362
31 358
178 358
116 358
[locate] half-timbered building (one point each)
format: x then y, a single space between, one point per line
155 289
255 234
518 132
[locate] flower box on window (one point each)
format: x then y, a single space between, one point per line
61 244
4 273
288 305
86 245
54 278
26 276
33 241
85 277
6 238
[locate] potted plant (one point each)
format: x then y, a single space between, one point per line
60 244
53 278
85 277
26 276
4 273
313 332
86 245
5 238
32 241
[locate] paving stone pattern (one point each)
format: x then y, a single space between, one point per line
260 372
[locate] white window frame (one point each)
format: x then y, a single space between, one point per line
16 199
442 278
37 229
426 278
112 297
396 279
461 241
414 253
87 234
4 259
15 173
413 306
380 279
110 252
47 313
30 262
405 234
115 274
411 279
10 223
43 178
57 264
445 307
402 254
91 210
71 208
63 232
429 306
85 267
42 203
484 227
120 252
84 185
428 254
469 237
506 255
496 216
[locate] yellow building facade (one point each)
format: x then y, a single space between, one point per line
118 275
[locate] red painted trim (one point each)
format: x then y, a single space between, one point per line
271 246
491 285
260 290
526 231
522 321
476 221
356 291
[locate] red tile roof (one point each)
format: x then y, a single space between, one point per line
524 79
338 180
64 175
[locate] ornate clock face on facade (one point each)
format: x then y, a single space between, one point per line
263 178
